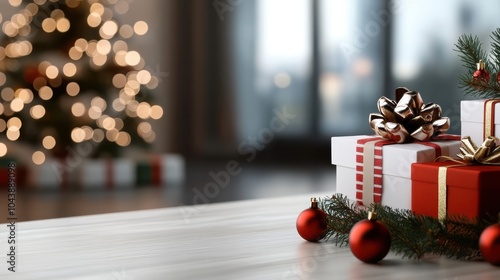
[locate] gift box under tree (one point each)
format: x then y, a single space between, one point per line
108 174
53 174
159 170
147 170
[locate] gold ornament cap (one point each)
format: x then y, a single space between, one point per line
314 202
372 215
480 65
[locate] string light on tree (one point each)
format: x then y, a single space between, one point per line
68 75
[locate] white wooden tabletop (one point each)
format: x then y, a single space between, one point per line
254 239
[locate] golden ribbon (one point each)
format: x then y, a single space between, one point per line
489 115
442 192
407 118
488 124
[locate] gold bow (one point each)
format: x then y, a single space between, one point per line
407 118
487 153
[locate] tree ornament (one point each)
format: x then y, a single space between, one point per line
498 77
311 223
369 240
489 244
481 75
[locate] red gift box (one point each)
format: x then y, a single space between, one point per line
471 190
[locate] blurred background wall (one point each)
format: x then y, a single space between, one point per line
325 61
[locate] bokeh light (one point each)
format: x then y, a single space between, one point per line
38 157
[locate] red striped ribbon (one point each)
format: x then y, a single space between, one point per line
376 165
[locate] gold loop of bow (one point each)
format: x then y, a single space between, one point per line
487 153
407 118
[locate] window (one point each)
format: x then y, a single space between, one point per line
352 64
329 61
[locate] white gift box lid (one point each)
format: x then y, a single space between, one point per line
397 158
473 111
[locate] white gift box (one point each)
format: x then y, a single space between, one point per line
52 174
108 173
396 167
173 168
472 119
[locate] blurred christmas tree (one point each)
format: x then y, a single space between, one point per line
68 77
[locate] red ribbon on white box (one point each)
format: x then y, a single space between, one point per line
369 159
369 169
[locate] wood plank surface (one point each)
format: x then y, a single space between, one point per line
253 239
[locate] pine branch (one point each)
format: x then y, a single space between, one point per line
482 90
346 216
495 49
470 52
460 240
413 235
410 240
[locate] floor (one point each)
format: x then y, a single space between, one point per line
255 180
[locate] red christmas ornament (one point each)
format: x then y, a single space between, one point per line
369 240
489 244
498 77
481 75
311 223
